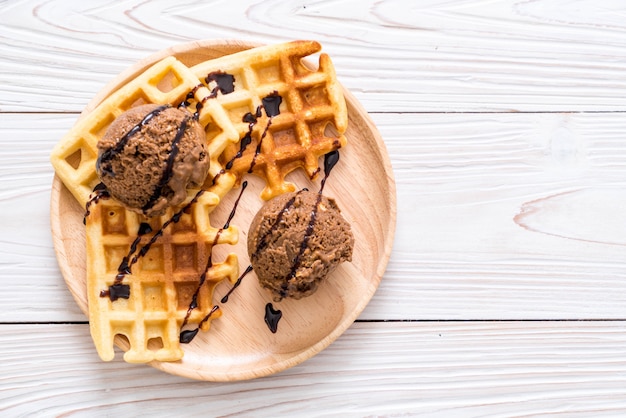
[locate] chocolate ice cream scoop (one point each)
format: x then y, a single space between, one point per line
150 155
295 241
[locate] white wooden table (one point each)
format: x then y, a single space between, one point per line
505 122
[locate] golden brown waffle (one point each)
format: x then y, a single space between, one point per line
311 101
162 282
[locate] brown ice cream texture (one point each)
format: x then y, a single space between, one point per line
295 241
149 157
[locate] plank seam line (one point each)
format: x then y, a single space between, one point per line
373 321
492 320
442 112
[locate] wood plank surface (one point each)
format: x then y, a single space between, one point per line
466 55
410 369
505 294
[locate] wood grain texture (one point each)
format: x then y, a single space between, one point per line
467 55
493 204
496 215
412 369
505 215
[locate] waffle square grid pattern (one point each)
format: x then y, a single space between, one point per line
162 283
311 122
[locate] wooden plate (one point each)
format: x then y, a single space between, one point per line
239 345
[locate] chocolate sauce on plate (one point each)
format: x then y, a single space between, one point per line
236 285
272 316
330 161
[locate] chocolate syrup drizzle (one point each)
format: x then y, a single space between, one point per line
190 95
263 240
188 335
124 267
194 299
224 83
99 192
236 285
271 105
251 120
117 289
330 160
169 167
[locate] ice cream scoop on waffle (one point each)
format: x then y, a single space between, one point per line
149 276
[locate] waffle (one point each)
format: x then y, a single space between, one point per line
147 323
312 100
162 282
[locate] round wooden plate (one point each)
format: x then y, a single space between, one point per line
239 345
